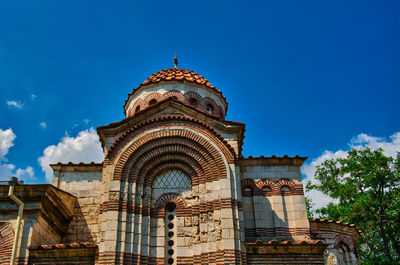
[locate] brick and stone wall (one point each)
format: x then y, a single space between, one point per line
341 240
273 199
207 215
6 242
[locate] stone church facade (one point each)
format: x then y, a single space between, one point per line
173 188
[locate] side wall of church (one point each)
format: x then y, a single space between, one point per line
86 186
273 203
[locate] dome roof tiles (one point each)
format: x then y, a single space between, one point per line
176 74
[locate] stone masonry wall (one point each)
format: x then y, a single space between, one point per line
275 195
86 186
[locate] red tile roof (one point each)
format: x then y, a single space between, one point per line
329 221
176 74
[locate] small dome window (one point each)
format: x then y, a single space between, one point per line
210 108
137 109
193 102
266 189
285 190
152 102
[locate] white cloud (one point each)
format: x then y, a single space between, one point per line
27 173
361 141
85 147
86 121
43 125
7 138
15 104
6 141
390 148
33 96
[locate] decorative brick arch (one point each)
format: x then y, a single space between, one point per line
138 103
173 94
343 240
165 122
168 149
179 160
158 138
261 183
210 101
154 95
170 197
159 209
168 146
193 95
285 183
248 183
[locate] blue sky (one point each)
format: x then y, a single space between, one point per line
305 76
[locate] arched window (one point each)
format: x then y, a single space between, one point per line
137 109
210 108
152 102
173 180
193 102
266 190
285 190
248 212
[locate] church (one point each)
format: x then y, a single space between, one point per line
173 188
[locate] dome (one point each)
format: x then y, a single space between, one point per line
181 84
176 75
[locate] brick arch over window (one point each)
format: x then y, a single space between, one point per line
152 96
173 94
341 240
167 122
188 165
168 146
286 183
159 209
248 183
170 142
191 95
210 101
261 183
145 159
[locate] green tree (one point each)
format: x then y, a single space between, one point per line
366 185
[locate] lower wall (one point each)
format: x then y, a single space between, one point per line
267 259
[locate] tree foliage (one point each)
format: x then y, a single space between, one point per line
366 185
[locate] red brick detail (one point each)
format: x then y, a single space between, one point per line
182 208
132 110
166 150
165 122
190 98
224 256
193 96
275 186
149 97
176 137
6 242
210 101
345 242
173 94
